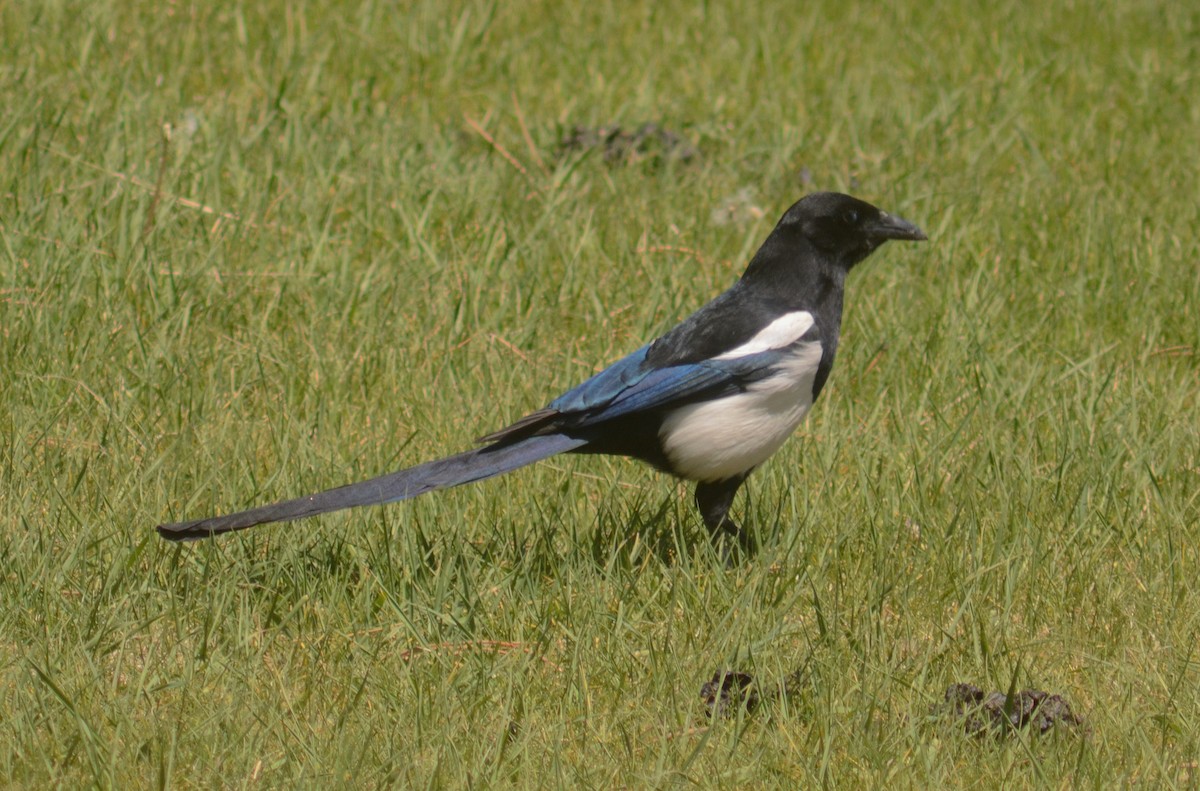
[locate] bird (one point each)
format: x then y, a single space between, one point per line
708 401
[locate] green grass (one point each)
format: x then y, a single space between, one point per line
326 271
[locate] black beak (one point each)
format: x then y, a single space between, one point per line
889 227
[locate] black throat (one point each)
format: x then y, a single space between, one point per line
800 277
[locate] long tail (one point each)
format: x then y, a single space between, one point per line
473 465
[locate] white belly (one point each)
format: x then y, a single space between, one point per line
715 440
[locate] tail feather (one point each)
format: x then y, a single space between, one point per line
473 465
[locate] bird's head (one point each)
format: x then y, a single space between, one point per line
842 228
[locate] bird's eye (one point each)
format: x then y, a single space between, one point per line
850 217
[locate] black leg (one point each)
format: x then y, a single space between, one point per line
714 499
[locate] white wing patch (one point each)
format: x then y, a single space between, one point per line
780 333
715 440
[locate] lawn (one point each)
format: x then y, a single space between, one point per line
253 250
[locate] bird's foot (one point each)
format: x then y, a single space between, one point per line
733 543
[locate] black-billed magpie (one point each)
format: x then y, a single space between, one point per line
708 401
